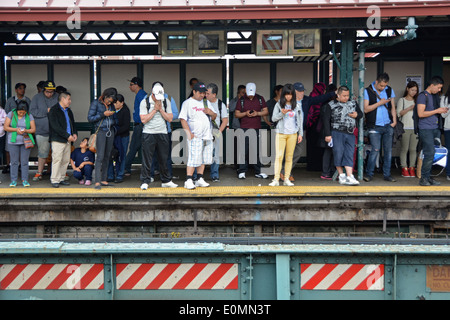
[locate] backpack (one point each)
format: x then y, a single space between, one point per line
147 100
416 114
213 123
242 104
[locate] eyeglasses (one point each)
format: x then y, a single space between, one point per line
49 91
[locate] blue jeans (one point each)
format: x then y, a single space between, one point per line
380 135
119 168
343 148
86 172
426 137
135 146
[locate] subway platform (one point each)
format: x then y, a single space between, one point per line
230 208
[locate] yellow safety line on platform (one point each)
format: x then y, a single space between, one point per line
230 191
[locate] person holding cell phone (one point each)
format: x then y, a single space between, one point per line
339 121
249 111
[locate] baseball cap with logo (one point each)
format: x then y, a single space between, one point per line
158 92
250 88
200 86
299 86
49 85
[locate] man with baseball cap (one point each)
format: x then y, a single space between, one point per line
155 110
39 108
249 111
196 121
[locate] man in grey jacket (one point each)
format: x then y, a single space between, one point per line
40 106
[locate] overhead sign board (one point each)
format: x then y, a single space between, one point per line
271 42
301 42
305 42
176 43
209 43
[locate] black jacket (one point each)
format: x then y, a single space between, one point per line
58 124
308 101
123 122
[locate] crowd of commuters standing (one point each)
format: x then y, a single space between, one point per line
328 118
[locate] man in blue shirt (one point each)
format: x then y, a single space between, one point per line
136 85
381 118
429 128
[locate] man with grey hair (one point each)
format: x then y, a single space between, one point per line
62 132
221 122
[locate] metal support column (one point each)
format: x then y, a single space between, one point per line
346 76
283 278
3 74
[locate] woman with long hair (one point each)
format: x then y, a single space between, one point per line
409 141
289 130
20 126
101 114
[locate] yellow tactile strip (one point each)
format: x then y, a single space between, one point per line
229 191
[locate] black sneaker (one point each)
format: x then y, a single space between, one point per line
424 182
433 182
390 179
367 178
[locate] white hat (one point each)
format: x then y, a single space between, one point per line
158 91
250 88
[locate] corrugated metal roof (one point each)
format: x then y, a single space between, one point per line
189 3
163 10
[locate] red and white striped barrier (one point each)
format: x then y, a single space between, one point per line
51 277
177 276
342 276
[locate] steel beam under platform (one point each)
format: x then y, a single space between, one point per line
63 270
228 211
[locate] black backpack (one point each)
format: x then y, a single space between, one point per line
416 114
148 104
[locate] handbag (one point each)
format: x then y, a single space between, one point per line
27 142
92 143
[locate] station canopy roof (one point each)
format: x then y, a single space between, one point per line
140 21
176 10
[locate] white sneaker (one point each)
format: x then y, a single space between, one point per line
288 183
342 178
351 181
242 175
189 184
262 176
144 186
169 184
201 183
274 183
